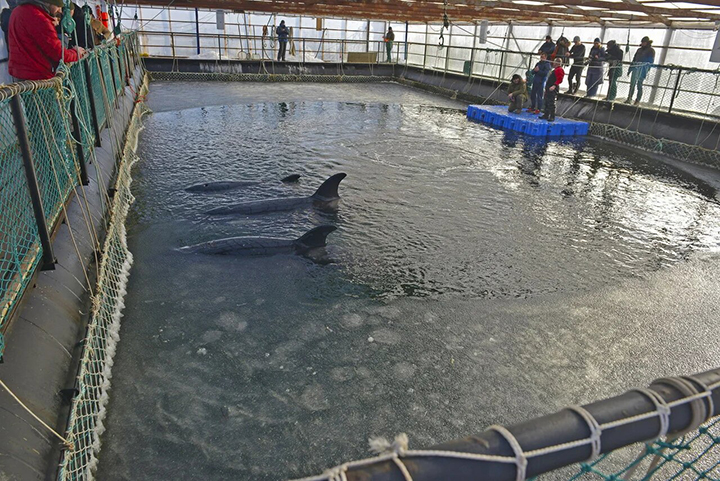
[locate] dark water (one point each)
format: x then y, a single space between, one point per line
478 277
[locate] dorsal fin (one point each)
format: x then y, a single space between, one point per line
315 237
329 189
290 178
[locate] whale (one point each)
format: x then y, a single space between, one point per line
225 185
326 197
263 246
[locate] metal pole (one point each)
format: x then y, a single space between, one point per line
406 41
661 61
675 90
553 430
425 49
93 107
33 188
197 30
172 44
219 48
78 144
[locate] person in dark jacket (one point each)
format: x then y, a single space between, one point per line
282 33
389 40
35 49
561 49
577 54
540 74
594 77
639 68
551 90
548 47
517 94
5 24
614 56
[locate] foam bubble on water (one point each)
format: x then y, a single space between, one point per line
314 398
231 321
386 336
211 336
202 351
404 371
351 321
342 374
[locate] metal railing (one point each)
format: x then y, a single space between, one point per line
48 132
669 88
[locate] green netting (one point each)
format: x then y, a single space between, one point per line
117 73
107 75
47 127
97 86
80 92
694 456
122 64
20 249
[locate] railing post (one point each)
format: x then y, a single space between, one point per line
172 43
219 48
24 142
78 142
675 91
91 99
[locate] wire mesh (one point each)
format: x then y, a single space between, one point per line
20 249
50 145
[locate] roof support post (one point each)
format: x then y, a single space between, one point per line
661 61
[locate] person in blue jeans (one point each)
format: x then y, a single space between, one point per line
639 68
282 33
540 75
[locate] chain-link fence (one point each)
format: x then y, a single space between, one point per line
48 131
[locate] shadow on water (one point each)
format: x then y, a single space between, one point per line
476 277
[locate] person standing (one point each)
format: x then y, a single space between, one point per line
34 46
594 78
548 47
639 68
517 94
282 33
561 49
614 56
577 54
540 74
551 89
389 40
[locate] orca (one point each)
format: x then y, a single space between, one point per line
263 246
225 185
326 197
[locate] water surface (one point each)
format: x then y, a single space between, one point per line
477 277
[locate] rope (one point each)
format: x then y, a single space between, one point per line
595 430
701 413
520 458
67 443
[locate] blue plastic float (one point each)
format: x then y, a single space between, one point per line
530 124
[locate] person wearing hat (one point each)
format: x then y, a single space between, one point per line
548 48
577 54
35 49
594 77
639 68
614 56
517 94
283 33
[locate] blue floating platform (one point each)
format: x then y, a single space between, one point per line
530 124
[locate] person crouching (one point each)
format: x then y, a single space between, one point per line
551 90
517 93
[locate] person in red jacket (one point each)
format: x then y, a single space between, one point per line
551 89
35 49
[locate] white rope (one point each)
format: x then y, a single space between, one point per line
595 430
520 459
686 385
661 407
